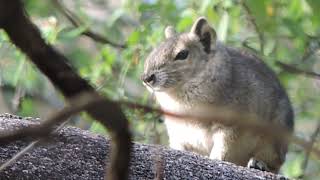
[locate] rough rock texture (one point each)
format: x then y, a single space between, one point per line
79 154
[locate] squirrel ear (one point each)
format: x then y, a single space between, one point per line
204 32
169 32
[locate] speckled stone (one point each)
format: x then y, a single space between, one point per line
77 154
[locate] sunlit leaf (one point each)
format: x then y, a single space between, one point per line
73 33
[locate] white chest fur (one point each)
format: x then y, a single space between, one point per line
168 103
187 136
182 132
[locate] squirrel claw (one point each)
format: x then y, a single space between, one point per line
256 164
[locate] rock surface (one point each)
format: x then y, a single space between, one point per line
77 154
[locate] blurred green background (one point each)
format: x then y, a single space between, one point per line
277 30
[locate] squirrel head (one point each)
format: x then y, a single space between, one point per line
179 58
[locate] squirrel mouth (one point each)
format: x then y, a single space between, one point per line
152 88
149 87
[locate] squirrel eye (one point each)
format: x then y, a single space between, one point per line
182 55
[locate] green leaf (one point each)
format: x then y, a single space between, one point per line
223 27
27 108
262 18
315 5
108 55
293 168
184 23
98 128
134 37
115 16
73 33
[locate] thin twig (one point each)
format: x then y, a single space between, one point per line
313 138
159 164
28 149
19 155
79 103
17 99
227 118
295 70
309 50
86 101
43 130
76 22
255 25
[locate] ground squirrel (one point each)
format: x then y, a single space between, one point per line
192 70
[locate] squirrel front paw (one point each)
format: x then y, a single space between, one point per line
257 164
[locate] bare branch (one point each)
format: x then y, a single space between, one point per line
295 70
229 118
29 148
26 36
43 130
19 155
76 22
78 103
17 98
221 116
255 25
312 141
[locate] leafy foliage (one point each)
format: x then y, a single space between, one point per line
288 30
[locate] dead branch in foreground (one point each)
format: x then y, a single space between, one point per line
26 36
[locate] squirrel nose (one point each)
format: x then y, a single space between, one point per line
149 79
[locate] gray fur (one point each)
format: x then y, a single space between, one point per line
223 77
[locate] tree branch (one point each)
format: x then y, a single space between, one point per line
75 21
295 70
306 159
255 25
24 34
